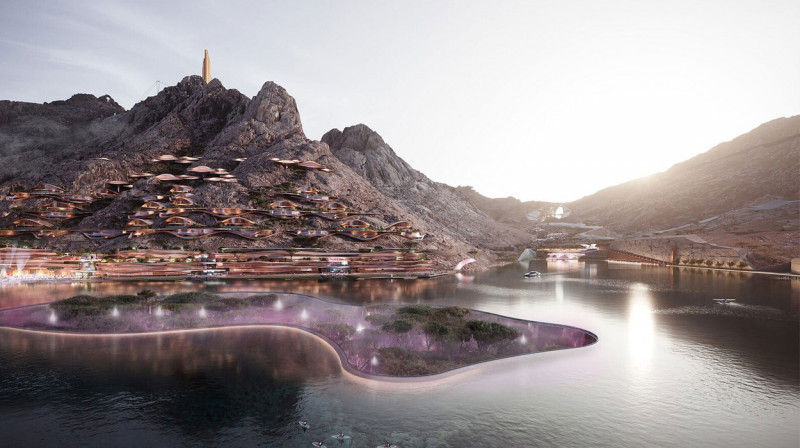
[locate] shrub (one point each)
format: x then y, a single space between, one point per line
262 300
146 294
337 332
452 311
397 326
425 313
413 311
489 333
378 319
226 304
85 305
189 297
435 332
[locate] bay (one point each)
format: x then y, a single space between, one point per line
671 368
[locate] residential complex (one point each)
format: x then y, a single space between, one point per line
169 207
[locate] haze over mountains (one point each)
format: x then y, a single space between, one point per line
746 185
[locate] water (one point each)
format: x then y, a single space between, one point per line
671 368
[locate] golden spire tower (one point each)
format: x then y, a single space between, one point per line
206 69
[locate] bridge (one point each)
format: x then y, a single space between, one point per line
619 255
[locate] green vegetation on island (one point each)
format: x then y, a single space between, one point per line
403 341
428 340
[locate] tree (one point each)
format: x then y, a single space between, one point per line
434 332
147 294
337 332
398 326
487 334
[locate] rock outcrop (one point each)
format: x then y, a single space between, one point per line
31 135
365 152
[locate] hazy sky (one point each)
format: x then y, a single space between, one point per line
541 100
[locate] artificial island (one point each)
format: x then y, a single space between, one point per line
375 341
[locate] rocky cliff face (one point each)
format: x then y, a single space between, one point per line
365 152
33 134
219 125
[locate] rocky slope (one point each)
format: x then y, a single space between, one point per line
742 195
365 152
85 141
755 168
32 134
509 210
219 125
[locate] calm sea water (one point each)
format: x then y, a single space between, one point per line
671 368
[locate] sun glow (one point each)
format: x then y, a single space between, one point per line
641 327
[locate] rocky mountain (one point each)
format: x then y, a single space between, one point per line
90 141
365 152
32 133
752 169
509 210
741 195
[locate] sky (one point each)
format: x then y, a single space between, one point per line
539 100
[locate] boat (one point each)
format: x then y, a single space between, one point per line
532 274
340 436
724 301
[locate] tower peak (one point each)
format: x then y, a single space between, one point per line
206 68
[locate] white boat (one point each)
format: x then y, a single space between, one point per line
532 274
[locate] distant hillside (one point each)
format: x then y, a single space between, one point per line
755 168
32 134
509 210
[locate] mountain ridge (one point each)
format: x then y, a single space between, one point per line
219 125
85 141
